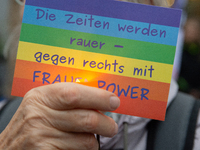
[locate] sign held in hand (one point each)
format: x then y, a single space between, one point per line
125 48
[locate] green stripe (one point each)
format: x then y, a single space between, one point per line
132 49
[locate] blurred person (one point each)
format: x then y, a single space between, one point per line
190 68
67 115
2 79
180 4
9 16
10 25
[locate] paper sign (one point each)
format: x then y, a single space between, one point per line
124 47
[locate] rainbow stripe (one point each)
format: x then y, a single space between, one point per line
115 9
134 49
130 54
81 57
112 25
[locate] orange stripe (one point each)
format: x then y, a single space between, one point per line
157 90
21 86
143 108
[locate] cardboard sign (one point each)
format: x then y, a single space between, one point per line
124 47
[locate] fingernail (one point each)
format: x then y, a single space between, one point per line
114 102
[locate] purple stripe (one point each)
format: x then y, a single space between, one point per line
115 9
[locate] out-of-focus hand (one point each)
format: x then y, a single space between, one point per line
59 117
163 3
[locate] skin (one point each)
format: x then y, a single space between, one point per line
59 117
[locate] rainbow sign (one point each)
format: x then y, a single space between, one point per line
125 48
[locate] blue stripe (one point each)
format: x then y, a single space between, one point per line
30 17
115 9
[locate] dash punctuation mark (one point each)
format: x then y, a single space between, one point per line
119 46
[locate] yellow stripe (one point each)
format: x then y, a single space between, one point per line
161 72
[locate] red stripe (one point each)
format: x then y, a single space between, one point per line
144 108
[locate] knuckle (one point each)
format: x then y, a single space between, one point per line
32 111
72 95
90 142
91 121
33 94
32 119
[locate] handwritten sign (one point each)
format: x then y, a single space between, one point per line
126 48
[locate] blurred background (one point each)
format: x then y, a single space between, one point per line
10 20
187 60
188 76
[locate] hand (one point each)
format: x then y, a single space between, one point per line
59 117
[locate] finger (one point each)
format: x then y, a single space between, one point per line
48 138
163 3
75 141
79 120
63 96
170 2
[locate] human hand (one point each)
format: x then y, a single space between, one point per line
163 3
61 116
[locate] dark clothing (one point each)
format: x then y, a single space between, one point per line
175 133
